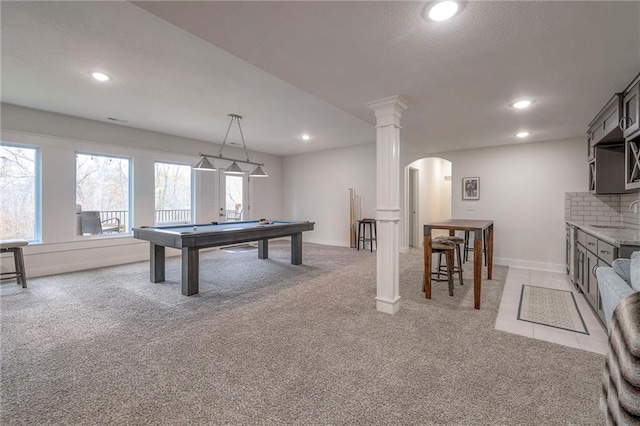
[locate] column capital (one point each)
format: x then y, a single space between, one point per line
388 110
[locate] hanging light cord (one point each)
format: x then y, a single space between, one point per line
234 117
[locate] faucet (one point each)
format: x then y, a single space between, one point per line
634 206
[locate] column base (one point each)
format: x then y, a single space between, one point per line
388 306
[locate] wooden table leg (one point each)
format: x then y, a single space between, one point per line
156 263
263 249
489 251
190 270
477 268
427 266
296 249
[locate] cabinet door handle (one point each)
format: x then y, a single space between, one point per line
604 252
591 244
623 122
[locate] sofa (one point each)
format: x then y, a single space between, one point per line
617 282
620 398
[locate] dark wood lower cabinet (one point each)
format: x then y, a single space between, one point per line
592 288
581 254
592 253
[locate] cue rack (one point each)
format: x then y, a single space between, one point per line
354 214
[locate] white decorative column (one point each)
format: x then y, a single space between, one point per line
388 112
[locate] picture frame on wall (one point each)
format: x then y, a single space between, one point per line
470 188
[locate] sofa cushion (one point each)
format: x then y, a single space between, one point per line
622 267
635 271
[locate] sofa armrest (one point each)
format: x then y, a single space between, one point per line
613 288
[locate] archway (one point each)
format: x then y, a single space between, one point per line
427 196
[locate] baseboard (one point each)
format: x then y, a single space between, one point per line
336 243
81 266
388 306
542 266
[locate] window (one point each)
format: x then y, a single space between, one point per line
173 193
20 189
102 194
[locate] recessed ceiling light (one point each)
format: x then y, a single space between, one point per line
523 134
522 104
100 76
306 137
443 10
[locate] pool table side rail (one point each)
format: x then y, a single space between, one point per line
220 238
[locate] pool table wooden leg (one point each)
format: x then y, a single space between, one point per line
157 263
190 270
296 249
263 249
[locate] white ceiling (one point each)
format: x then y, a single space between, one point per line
294 67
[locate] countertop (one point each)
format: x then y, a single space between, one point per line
618 235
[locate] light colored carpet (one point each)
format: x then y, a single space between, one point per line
266 342
548 306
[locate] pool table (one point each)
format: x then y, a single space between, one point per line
191 238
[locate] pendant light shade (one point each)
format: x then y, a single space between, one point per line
205 165
258 172
233 169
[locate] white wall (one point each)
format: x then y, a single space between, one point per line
59 136
317 189
522 188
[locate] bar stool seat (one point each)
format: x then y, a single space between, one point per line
447 248
15 247
362 232
458 241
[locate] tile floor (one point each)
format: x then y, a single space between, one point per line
595 341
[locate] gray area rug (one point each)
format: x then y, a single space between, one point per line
551 307
266 342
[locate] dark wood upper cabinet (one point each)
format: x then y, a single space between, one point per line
605 128
607 171
630 120
632 163
613 143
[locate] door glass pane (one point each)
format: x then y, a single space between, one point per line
173 193
233 190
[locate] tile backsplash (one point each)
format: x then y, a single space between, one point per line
601 209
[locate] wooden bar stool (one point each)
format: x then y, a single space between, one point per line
15 247
458 241
447 248
468 246
362 232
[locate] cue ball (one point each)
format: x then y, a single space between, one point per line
195 228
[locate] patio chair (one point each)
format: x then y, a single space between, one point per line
92 225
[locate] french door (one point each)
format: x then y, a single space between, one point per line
233 197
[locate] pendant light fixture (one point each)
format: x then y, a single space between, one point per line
234 169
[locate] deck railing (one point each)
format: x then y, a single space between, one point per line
161 216
174 215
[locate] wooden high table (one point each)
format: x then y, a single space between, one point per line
478 227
